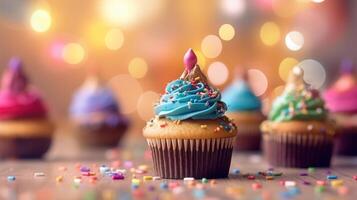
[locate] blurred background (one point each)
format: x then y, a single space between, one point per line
137 46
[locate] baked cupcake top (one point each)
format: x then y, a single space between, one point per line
95 103
190 96
17 99
342 96
239 96
298 102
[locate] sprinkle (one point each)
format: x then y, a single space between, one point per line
343 190
117 177
331 177
147 178
256 186
277 173
269 178
213 182
59 179
163 125
103 169
156 178
304 174
164 185
135 181
310 127
336 183
217 129
77 180
188 179
204 180
139 171
173 185
128 164
199 193
178 190
354 177
306 183
290 184
11 178
39 174
203 126
189 104
320 182
311 170
319 189
235 171
197 78
84 169
251 177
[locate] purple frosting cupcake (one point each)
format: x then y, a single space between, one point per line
96 115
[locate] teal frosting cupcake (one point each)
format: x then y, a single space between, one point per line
240 97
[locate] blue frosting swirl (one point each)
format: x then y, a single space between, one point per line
92 100
240 97
190 100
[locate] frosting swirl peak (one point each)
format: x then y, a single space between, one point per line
298 101
190 97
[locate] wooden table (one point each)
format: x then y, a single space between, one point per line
66 155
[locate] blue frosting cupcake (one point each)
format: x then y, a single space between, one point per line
95 110
244 107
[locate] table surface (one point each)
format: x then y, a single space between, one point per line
65 162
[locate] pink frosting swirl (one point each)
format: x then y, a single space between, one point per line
17 100
342 96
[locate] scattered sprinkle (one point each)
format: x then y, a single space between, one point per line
203 126
204 180
235 171
147 178
331 177
59 179
320 182
11 178
117 176
251 177
256 186
343 190
164 185
156 178
319 189
269 178
311 169
39 174
188 179
336 183
289 183
304 174
355 177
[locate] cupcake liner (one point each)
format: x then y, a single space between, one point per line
104 136
29 148
298 150
346 141
198 158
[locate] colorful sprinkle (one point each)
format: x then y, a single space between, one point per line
188 179
320 182
156 178
336 183
147 178
59 179
39 174
311 169
204 126
331 177
319 189
256 186
164 185
235 171
204 180
11 178
251 177
289 183
118 176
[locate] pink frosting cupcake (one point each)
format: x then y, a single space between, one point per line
25 131
341 100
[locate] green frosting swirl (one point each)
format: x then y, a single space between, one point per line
304 104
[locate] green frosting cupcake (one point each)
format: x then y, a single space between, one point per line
298 102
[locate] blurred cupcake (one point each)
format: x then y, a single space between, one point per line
245 110
96 115
190 135
341 99
25 130
298 132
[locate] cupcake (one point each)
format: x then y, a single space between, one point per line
190 136
341 100
96 115
25 129
244 108
298 132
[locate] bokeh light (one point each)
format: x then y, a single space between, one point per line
286 8
258 81
73 53
137 67
146 103
233 7
286 66
226 32
270 33
211 46
127 90
120 12
41 20
114 39
314 73
217 73
317 1
294 40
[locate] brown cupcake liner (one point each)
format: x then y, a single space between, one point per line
198 158
105 136
24 148
248 138
346 141
298 150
